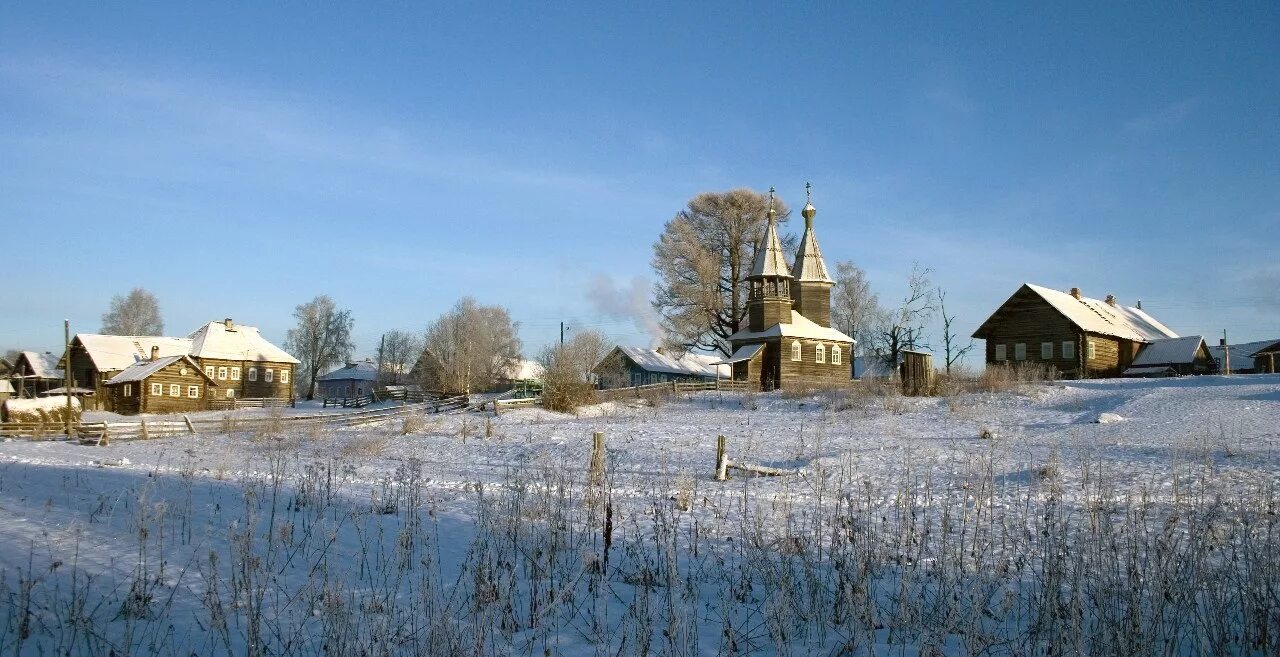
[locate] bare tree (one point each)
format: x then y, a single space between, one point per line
567 369
472 347
585 350
321 338
397 352
902 328
951 348
854 307
701 258
137 313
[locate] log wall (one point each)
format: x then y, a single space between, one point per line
246 388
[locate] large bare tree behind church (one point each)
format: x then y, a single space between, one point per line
700 260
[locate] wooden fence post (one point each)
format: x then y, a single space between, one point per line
722 461
596 476
190 427
144 428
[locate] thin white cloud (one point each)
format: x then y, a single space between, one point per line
1165 118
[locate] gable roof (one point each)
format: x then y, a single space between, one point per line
652 360
141 370
1274 346
239 342
1093 316
111 353
43 366
1241 354
799 327
1169 351
365 370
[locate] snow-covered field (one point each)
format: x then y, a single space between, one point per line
980 523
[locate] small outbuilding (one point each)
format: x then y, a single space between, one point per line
638 366
1267 359
1172 357
351 380
170 384
35 372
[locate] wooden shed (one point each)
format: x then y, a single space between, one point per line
171 384
1267 359
1077 335
1172 357
35 372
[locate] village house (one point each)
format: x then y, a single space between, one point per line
96 358
789 341
1242 358
637 366
163 384
1173 357
35 373
1267 359
244 364
354 379
1077 335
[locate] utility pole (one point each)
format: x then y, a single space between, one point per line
66 370
561 334
382 344
1226 353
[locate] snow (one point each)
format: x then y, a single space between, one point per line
141 370
362 371
57 404
113 353
745 352
70 508
653 360
5 386
809 266
799 327
770 260
1102 318
1241 354
240 342
1169 351
43 366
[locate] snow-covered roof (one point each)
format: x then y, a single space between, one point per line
113 353
43 366
1169 351
40 404
365 370
1241 354
799 327
745 352
810 266
770 259
1149 370
141 370
1274 346
1099 317
653 360
62 390
239 342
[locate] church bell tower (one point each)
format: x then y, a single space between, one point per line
812 284
769 296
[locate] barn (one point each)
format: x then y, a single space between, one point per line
789 341
1077 335
167 384
638 366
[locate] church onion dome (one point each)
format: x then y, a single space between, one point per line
810 267
770 260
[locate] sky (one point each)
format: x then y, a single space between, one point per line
238 159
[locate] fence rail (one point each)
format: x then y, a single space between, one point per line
248 402
144 428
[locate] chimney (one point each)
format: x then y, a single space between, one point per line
228 324
1075 292
155 352
1111 300
1139 304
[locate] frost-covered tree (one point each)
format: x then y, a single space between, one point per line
136 313
902 328
854 307
321 338
397 353
701 259
472 346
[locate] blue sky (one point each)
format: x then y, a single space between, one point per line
238 159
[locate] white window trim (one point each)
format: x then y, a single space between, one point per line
222 373
1068 349
269 375
796 350
235 374
157 389
835 356
819 353
128 390
193 392
175 390
1002 353
284 376
210 371
1092 351
1046 351
231 393
253 374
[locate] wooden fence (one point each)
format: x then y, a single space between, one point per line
248 402
144 428
612 394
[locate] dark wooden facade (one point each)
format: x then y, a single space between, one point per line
1029 330
1267 359
239 379
29 379
180 387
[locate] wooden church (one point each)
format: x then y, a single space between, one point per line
789 341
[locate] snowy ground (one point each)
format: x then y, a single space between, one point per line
160 546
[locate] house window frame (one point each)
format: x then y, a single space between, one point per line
268 376
253 374
836 356
1068 349
157 389
1002 353
231 393
1046 351
1091 350
235 374
128 390
284 375
819 353
1020 351
797 351
193 392
222 373
175 390
210 371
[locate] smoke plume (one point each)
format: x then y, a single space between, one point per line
629 301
